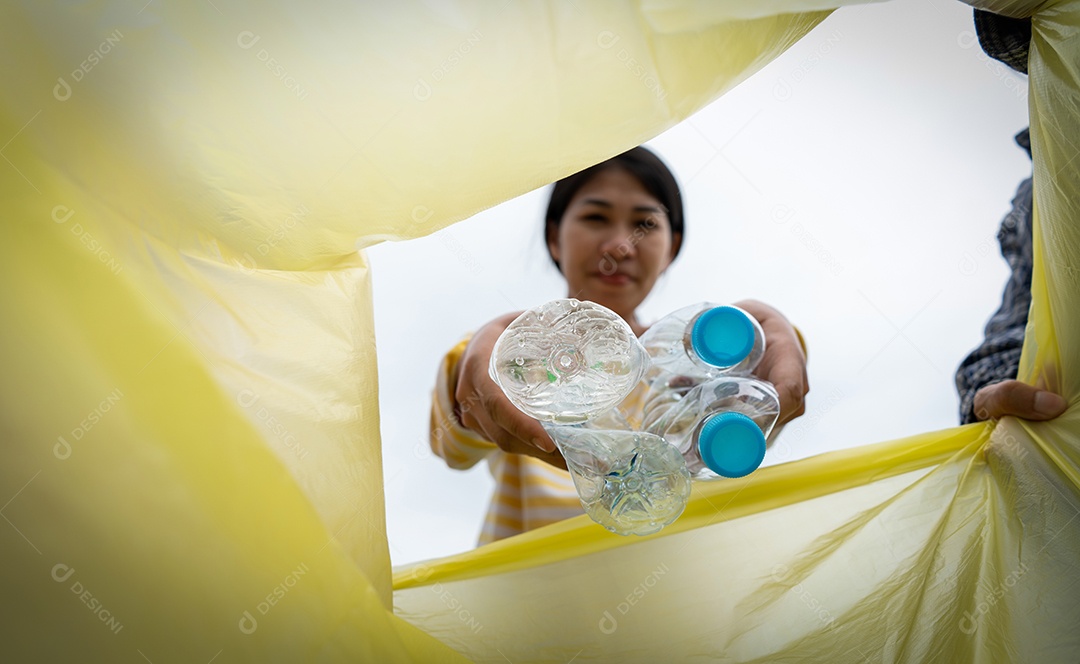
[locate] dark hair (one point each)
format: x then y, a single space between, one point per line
653 174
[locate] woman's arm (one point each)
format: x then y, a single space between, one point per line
461 448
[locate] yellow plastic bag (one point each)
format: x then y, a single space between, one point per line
193 466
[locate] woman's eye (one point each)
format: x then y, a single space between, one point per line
647 224
594 217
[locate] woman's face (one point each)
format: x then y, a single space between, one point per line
613 243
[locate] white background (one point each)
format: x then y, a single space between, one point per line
856 183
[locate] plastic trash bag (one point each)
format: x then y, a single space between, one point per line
190 398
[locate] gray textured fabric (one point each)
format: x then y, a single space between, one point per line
998 357
1003 38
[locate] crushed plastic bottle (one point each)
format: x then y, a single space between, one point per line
567 361
703 341
569 364
720 426
630 482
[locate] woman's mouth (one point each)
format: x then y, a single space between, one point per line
614 279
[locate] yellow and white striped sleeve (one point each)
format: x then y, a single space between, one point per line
458 446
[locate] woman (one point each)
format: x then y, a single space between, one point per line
612 230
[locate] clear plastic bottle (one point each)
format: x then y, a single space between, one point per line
720 426
701 398
630 482
567 361
568 364
703 341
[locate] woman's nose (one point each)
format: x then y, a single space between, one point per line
620 243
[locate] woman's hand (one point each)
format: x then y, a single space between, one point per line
784 363
480 405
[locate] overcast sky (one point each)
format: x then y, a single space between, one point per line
856 183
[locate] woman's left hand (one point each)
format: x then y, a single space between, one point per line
784 363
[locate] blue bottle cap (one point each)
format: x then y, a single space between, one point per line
731 445
722 336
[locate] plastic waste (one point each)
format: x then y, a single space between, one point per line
630 482
567 361
720 426
703 341
568 364
701 398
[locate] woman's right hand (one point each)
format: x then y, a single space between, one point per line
480 405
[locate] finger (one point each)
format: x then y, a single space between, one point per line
792 402
1016 398
472 412
555 458
493 432
786 370
500 422
519 425
512 443
787 416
